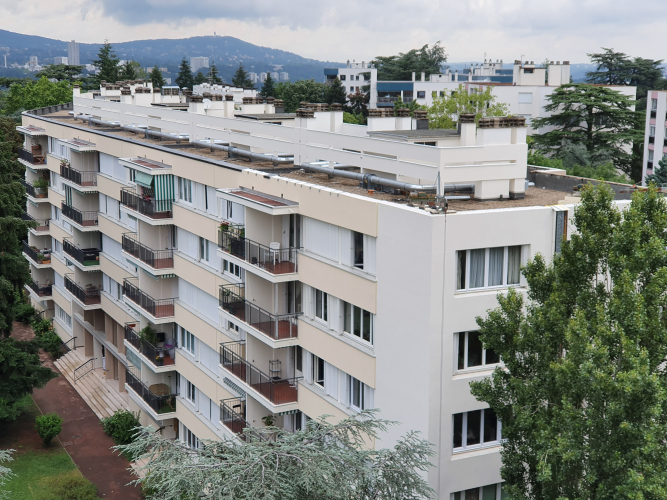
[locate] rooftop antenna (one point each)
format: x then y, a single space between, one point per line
522 55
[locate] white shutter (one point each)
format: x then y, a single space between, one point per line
285 239
307 299
369 398
345 390
334 313
199 196
208 305
188 243
102 203
525 255
187 293
369 254
112 207
105 283
212 201
346 250
307 360
108 165
330 380
214 259
113 249
215 413
321 238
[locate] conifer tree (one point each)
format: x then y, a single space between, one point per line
184 78
269 87
241 79
335 93
199 78
156 78
107 64
212 76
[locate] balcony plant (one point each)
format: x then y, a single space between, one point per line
148 335
42 186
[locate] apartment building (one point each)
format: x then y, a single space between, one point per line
60 60
285 271
355 76
197 63
655 132
73 53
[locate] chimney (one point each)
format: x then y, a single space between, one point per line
76 90
279 106
196 105
403 119
229 105
413 76
126 95
467 129
423 76
421 119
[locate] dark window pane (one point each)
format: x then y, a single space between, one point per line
474 349
461 271
490 426
358 250
357 321
474 427
492 357
458 430
489 492
462 350
472 494
299 358
367 326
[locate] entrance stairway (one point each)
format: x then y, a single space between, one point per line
101 395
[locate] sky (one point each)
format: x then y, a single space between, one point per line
339 30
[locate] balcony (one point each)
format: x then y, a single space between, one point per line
159 403
393 99
78 177
37 256
231 240
43 290
232 416
163 308
275 326
154 209
33 158
42 224
278 391
158 356
157 259
88 296
84 256
40 192
87 218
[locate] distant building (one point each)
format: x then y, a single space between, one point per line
253 77
262 77
196 63
73 53
167 80
274 75
33 62
60 60
284 76
655 134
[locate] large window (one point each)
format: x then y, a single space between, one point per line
191 394
358 254
63 316
488 267
187 341
321 305
358 322
203 249
476 428
488 492
471 353
185 189
190 439
357 390
525 97
231 268
318 371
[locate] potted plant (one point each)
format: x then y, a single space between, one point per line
41 185
149 335
224 227
40 257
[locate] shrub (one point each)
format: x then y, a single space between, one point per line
121 426
48 426
24 313
40 326
51 343
71 486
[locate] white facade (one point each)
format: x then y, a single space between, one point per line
284 76
197 63
655 132
354 76
73 53
60 60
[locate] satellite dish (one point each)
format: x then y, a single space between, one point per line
207 103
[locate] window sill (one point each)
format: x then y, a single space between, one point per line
349 269
350 340
476 451
476 371
489 290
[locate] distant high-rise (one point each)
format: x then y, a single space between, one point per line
274 75
196 63
73 53
284 76
60 60
33 62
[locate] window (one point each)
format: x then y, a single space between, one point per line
525 97
351 89
191 393
63 316
191 440
654 104
651 131
358 322
471 353
357 77
342 78
488 267
488 492
299 358
475 428
421 94
357 394
203 249
358 249
321 305
185 189
650 155
187 341
231 268
318 370
230 206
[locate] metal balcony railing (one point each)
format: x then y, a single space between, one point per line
157 259
87 218
278 391
26 155
42 224
33 191
78 177
273 260
155 209
159 404
277 326
231 418
162 308
85 256
90 295
159 356
43 290
36 255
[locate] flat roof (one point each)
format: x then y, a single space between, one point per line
264 116
405 135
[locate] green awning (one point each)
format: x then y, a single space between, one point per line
289 412
143 179
164 192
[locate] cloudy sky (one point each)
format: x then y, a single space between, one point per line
360 29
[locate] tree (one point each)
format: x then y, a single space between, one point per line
241 78
400 67
199 78
445 110
358 103
36 94
212 76
61 72
659 175
131 70
613 68
184 79
5 472
582 391
294 93
20 373
324 461
269 87
157 79
107 64
335 93
48 426
598 117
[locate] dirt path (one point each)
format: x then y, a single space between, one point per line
82 434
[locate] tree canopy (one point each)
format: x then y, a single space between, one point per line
157 79
199 78
269 86
184 78
299 91
324 461
600 118
61 72
107 64
582 391
212 76
131 70
36 94
430 60
241 78
335 93
659 175
445 110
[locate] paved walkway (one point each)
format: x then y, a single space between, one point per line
82 435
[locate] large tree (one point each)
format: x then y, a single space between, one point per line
241 78
323 461
598 117
131 70
427 59
335 93
107 64
613 68
445 110
61 72
185 78
212 76
157 79
199 78
269 86
36 94
294 93
582 391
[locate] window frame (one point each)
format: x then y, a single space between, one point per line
318 371
321 303
191 392
349 311
187 341
361 391
466 343
464 431
487 254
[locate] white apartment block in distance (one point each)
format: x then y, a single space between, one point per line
287 269
197 63
655 132
353 77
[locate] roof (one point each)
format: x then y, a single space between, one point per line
408 135
264 116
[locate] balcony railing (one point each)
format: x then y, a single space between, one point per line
157 259
159 356
78 177
42 224
273 260
393 99
159 403
26 155
36 255
85 256
276 326
33 191
43 290
234 421
90 295
157 308
88 218
155 209
278 391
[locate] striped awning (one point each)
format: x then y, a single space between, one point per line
289 412
164 192
145 180
234 387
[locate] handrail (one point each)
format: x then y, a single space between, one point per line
34 255
87 297
65 348
279 392
88 370
155 209
82 178
42 224
275 261
161 308
27 156
87 257
87 218
277 326
235 422
157 259
41 291
157 355
31 190
159 404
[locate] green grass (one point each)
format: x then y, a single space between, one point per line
32 469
